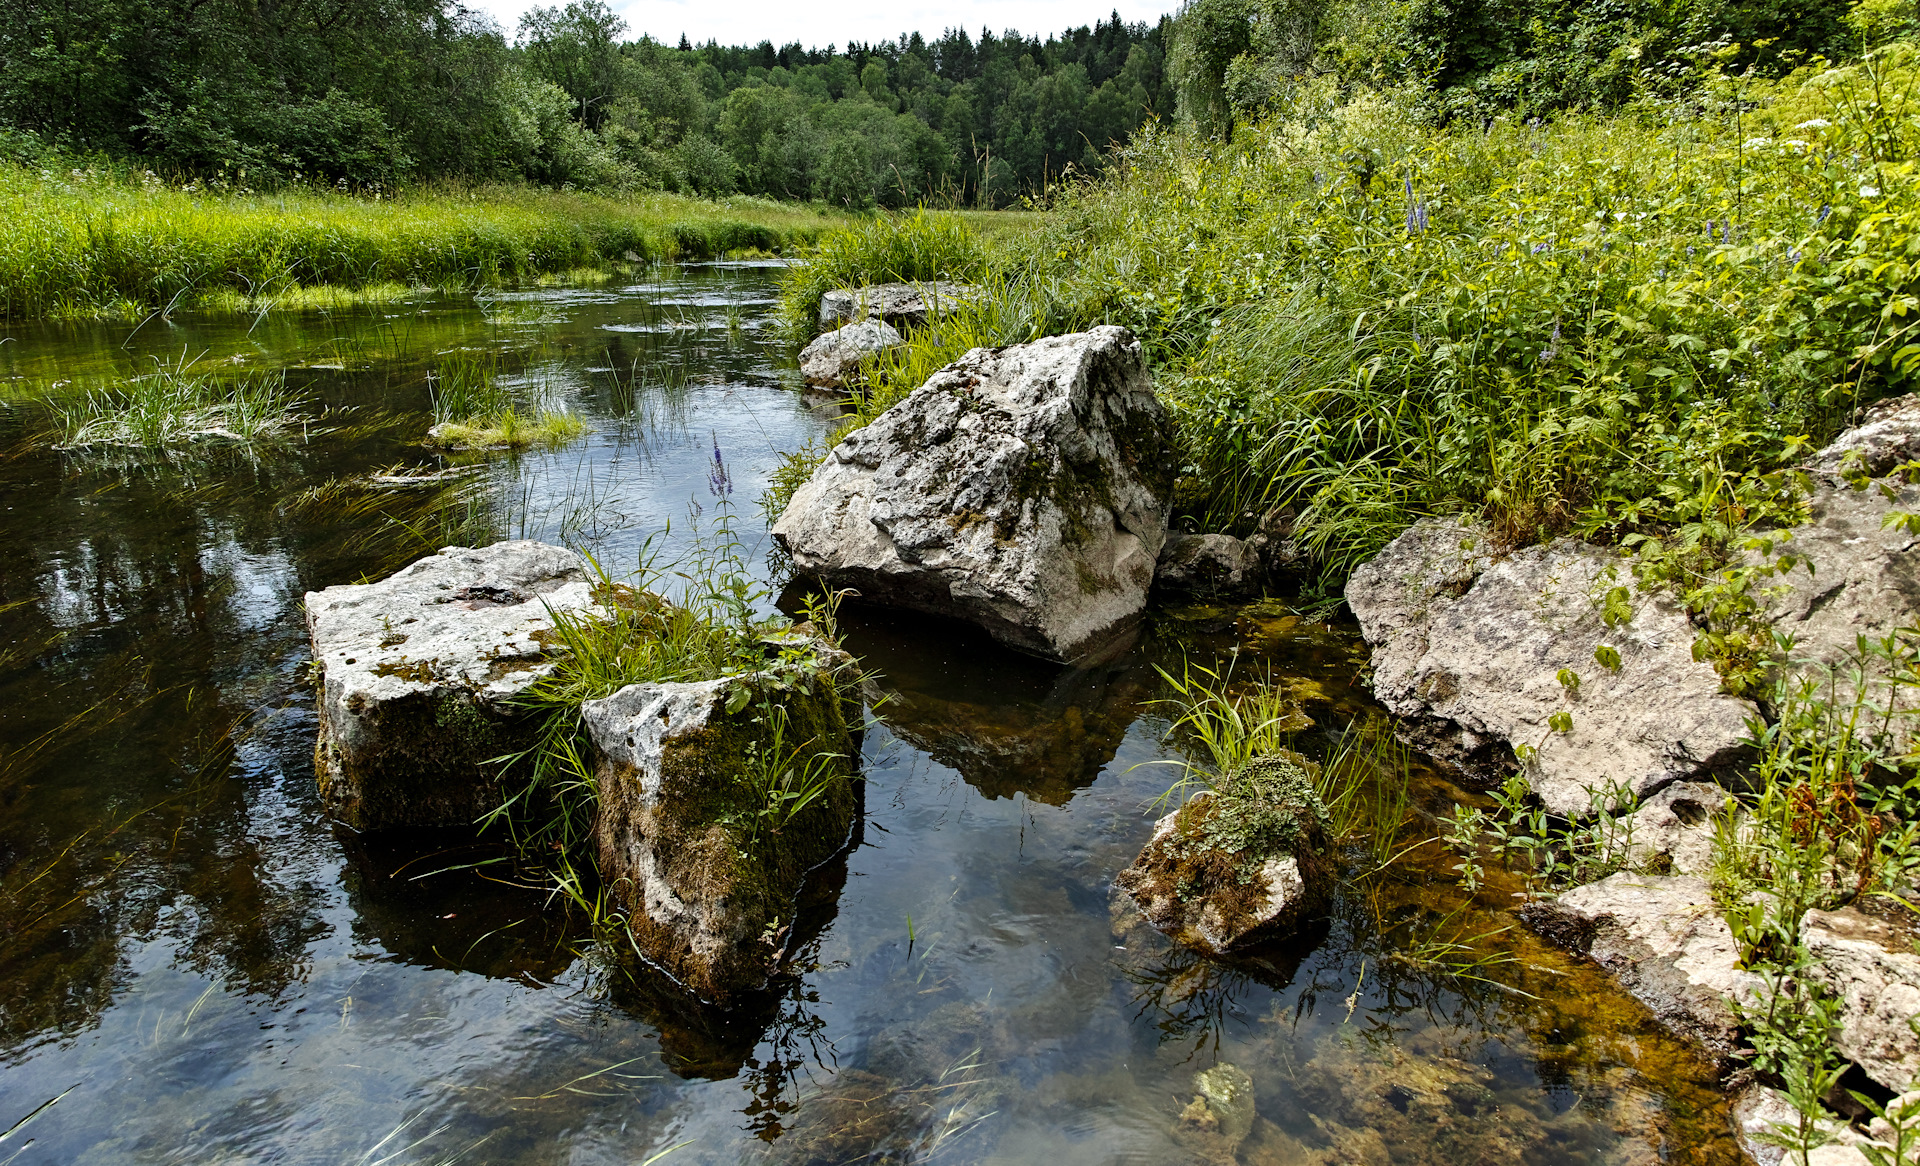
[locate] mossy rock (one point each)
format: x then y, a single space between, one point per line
1245 864
706 874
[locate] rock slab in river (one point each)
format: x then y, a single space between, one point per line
1208 566
1468 648
707 881
898 304
1023 489
416 674
1239 866
833 356
1663 938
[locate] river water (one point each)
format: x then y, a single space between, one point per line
200 968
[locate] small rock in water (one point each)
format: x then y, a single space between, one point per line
1239 866
899 304
1207 566
1222 1109
713 811
1483 653
1023 489
416 673
834 356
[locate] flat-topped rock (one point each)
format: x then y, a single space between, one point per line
1874 971
1468 646
1023 489
898 304
1663 938
834 356
417 672
717 798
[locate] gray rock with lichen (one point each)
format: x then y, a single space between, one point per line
1241 865
1024 489
416 675
898 304
1469 644
834 356
692 844
1672 831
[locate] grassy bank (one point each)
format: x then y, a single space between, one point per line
84 244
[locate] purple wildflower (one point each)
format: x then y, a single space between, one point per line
1825 210
1553 346
719 481
1538 248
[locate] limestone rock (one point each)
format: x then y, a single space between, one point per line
1207 565
1468 648
1673 829
1242 865
416 674
833 356
1853 576
899 304
706 873
1664 939
1023 489
1875 972
1221 1114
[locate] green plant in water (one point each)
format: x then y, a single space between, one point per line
178 403
784 778
1554 852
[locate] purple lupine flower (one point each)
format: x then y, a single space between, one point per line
719 481
1689 251
1538 248
1710 226
1825 210
1793 253
1553 346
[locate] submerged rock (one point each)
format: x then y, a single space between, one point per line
1874 971
1469 648
1242 865
834 356
1023 489
717 798
1208 566
1663 938
898 304
416 675
1221 1114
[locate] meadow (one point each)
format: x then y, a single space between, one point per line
91 242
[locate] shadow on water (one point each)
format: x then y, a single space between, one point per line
219 974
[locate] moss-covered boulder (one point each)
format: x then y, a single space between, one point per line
1023 489
1245 864
417 673
717 799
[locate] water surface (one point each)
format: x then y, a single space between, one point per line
203 969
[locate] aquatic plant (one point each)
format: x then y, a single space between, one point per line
177 403
908 248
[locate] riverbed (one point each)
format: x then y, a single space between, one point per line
199 967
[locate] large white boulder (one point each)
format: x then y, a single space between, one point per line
1468 646
1024 489
416 676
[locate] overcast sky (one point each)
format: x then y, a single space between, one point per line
838 21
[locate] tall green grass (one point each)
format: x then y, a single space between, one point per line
79 243
177 403
910 248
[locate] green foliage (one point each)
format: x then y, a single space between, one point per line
1222 725
177 403
1792 1027
1552 852
95 242
920 247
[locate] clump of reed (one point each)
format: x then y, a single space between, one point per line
474 409
178 403
907 248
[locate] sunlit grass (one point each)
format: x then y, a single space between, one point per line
177 403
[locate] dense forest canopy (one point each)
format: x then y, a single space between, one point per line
367 92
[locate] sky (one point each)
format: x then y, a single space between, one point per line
839 21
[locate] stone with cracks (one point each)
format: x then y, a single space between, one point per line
1468 647
1872 968
1023 489
1239 866
899 304
1673 830
1663 938
1208 566
1852 575
417 672
834 356
707 878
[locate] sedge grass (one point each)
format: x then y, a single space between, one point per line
179 402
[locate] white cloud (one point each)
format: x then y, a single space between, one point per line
737 22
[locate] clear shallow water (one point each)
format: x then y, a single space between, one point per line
205 970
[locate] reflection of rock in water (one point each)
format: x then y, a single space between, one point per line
925 1094
700 1041
1009 723
457 920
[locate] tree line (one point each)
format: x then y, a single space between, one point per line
374 93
